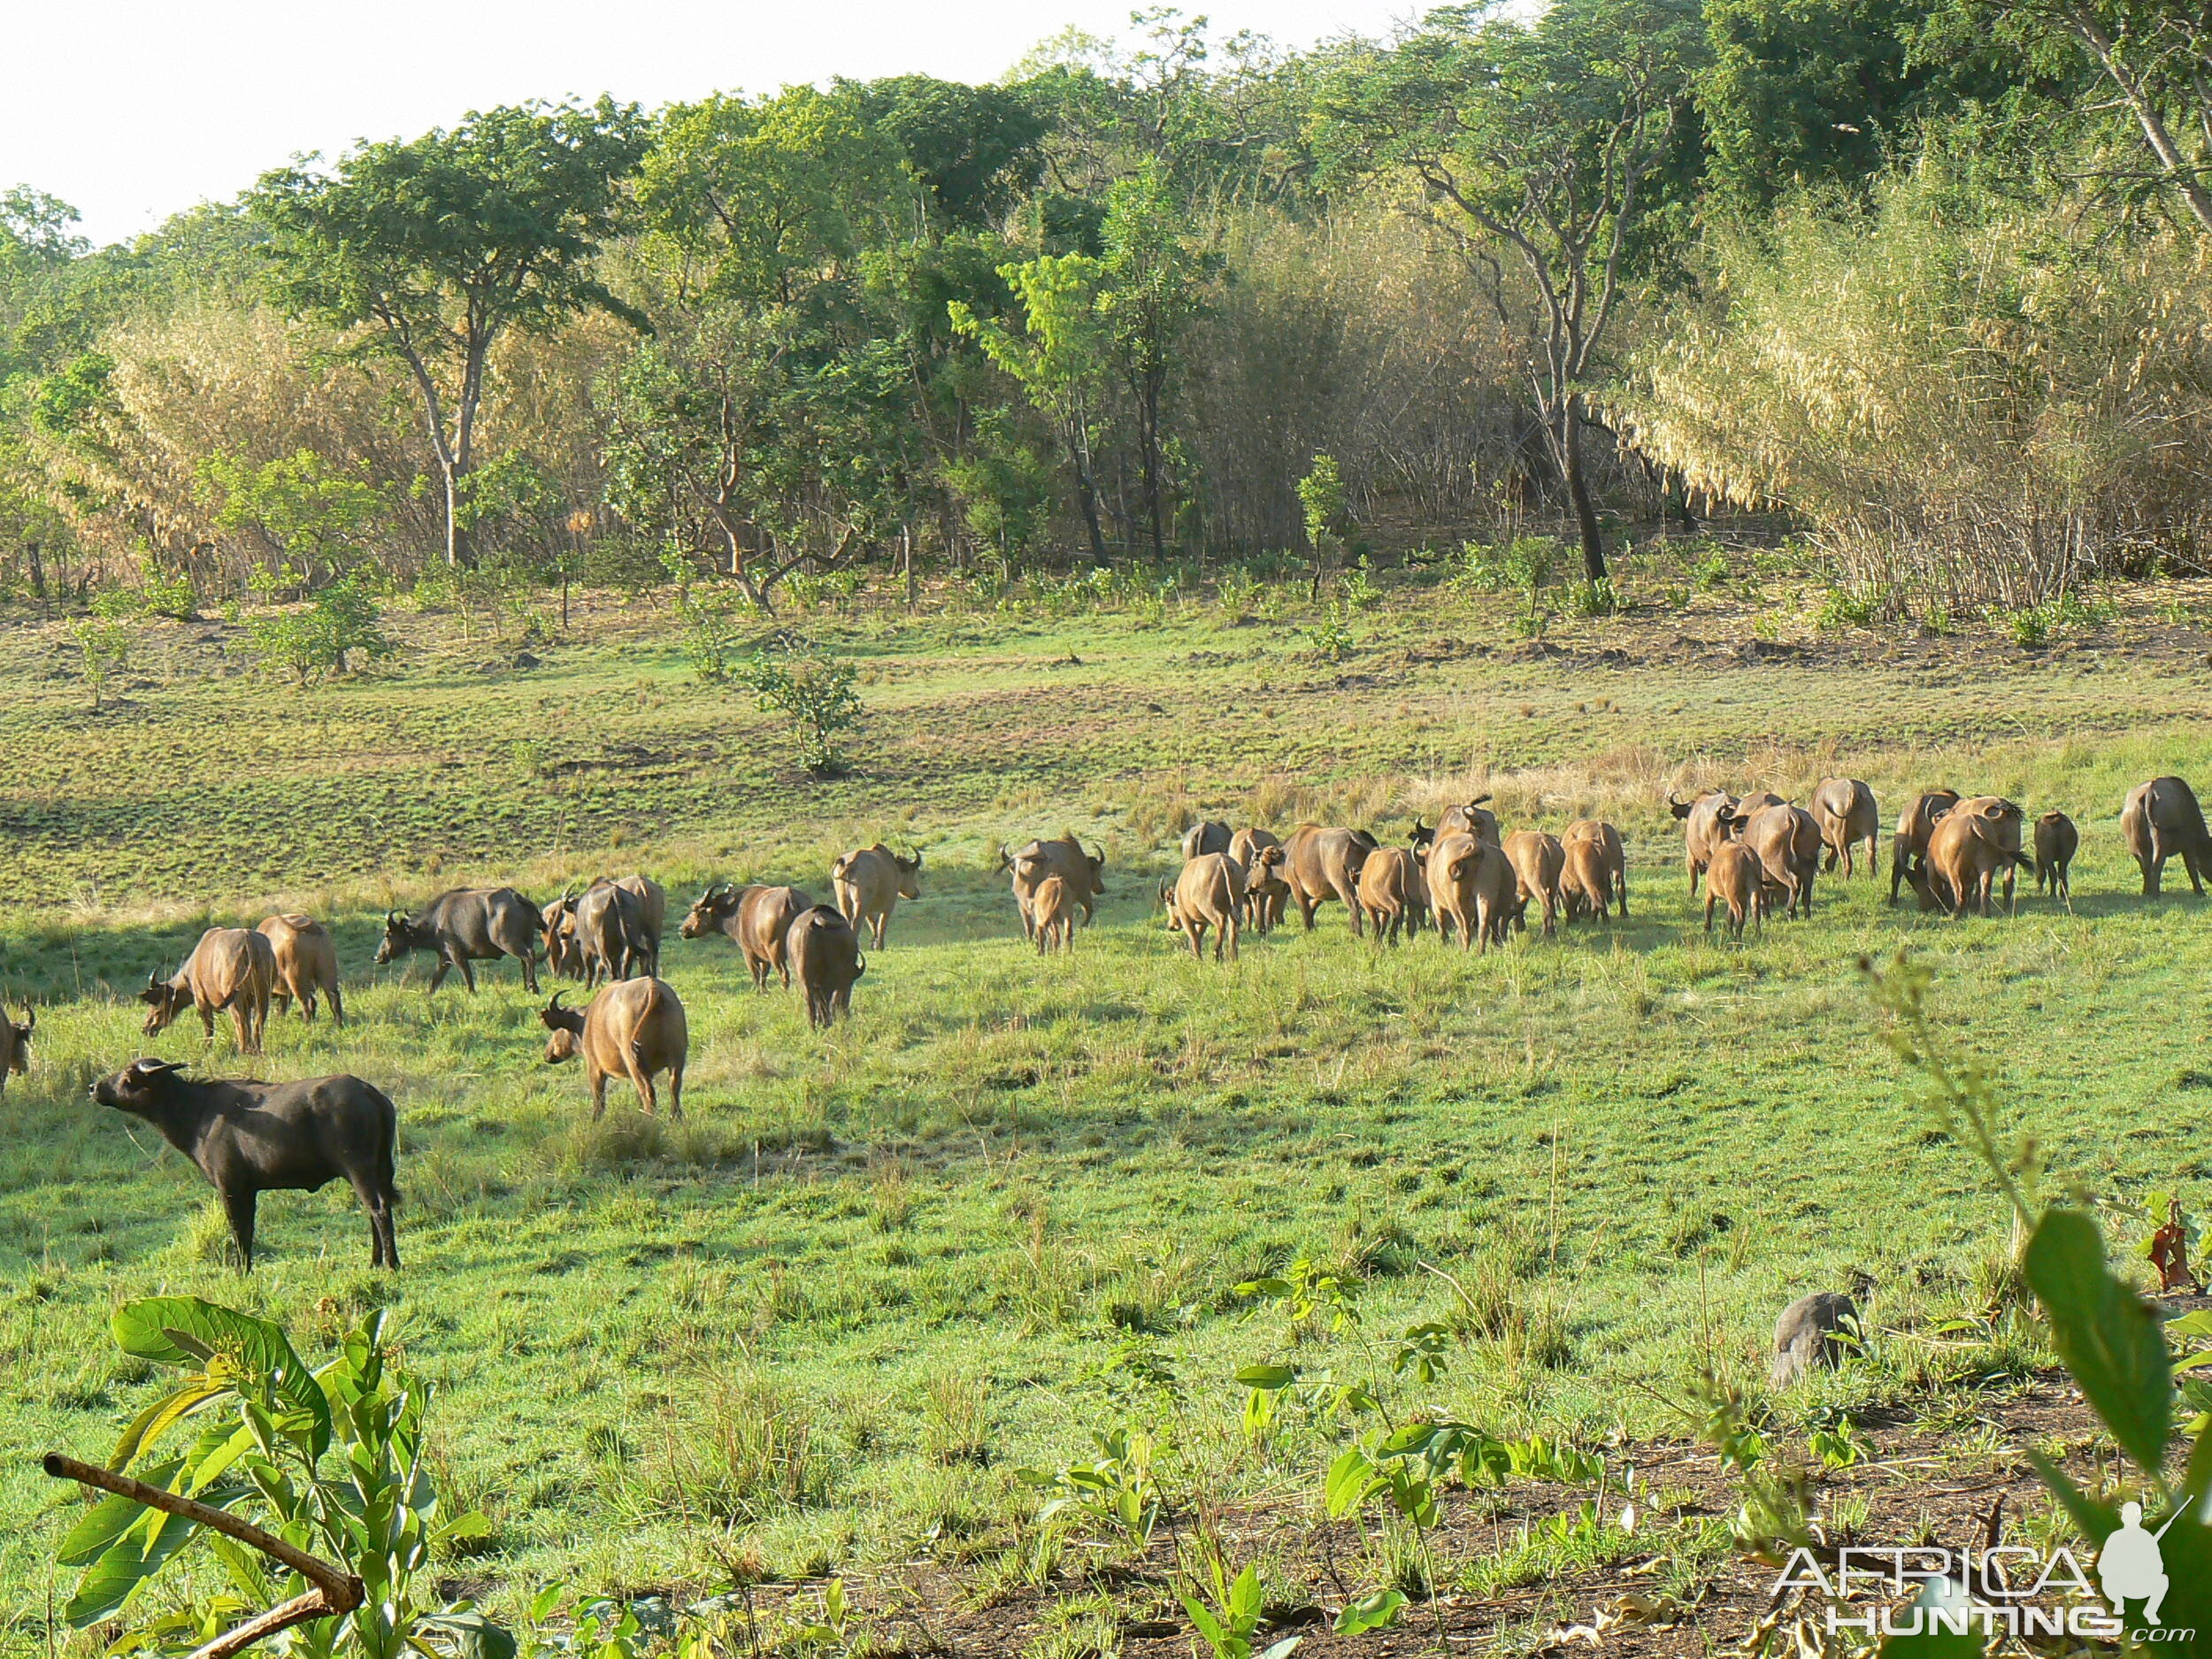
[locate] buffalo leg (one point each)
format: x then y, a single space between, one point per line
1306 906
372 1206
1710 900
337 1006
676 1091
2193 862
598 1094
239 1207
641 1080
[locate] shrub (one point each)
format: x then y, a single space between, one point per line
814 692
303 1455
312 643
1330 638
714 621
1598 598
104 647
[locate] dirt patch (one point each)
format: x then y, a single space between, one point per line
1654 1595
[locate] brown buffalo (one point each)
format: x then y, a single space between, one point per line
1586 881
1786 841
1611 856
1471 888
1051 916
630 933
1708 822
1539 868
2161 819
1736 878
1848 814
825 956
1393 892
306 965
1474 819
1320 864
869 884
611 938
1207 892
1206 837
1971 845
15 1044
2056 841
231 967
633 1028
1261 853
1908 847
757 919
1082 873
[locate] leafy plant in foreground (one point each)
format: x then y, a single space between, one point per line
329 1460
1118 1488
2107 1336
1229 1624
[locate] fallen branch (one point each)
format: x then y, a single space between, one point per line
336 1591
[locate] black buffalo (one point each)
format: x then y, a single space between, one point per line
465 925
253 1138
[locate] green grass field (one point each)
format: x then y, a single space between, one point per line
821 1323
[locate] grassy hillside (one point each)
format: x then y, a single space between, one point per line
823 1320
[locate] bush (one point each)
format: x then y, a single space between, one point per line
1598 598
1330 638
1969 402
814 692
104 647
713 623
315 643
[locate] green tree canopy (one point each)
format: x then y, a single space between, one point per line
428 250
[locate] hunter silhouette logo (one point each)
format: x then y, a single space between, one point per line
2130 1566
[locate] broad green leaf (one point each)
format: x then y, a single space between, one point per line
469 1634
151 1424
112 1580
185 1330
2107 1335
1351 1478
107 1520
1378 1611
1282 1649
1203 1622
1266 1376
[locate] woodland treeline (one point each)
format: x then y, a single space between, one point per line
1927 283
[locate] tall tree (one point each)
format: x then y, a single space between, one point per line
769 201
975 151
1152 290
1541 143
427 251
2158 54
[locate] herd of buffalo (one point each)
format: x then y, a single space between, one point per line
1753 853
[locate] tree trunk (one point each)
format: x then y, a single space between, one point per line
1578 491
906 551
460 553
1087 497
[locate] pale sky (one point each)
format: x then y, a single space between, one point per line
133 110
